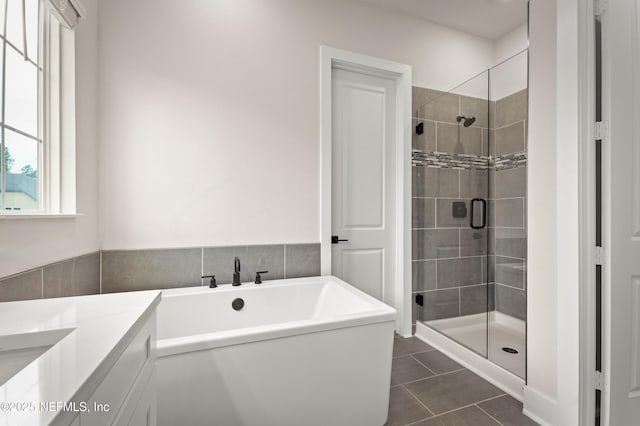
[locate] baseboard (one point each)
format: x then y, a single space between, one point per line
494 374
538 407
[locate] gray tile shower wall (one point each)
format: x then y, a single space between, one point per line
509 195
112 271
450 260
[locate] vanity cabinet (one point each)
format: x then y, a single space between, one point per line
127 394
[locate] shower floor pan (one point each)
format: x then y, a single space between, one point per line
504 332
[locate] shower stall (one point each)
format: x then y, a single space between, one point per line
469 222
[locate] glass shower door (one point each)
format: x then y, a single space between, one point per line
508 224
451 211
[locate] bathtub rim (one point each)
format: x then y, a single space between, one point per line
380 312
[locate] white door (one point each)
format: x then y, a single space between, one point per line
622 87
363 182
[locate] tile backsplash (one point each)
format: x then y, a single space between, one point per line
112 271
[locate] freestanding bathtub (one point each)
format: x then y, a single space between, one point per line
309 351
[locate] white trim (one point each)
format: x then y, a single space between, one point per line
539 407
78 5
10 216
569 134
330 58
605 398
587 210
493 373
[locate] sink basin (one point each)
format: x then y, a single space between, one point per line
19 350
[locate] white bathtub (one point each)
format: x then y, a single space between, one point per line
310 351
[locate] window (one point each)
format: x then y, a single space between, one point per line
37 106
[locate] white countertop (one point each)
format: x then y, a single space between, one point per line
102 327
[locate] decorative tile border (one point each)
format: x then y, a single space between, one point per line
445 160
510 161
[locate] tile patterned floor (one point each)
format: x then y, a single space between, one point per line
430 389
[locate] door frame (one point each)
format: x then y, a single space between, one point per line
586 115
401 73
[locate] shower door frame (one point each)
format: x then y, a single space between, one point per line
401 74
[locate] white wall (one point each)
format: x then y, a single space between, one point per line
30 243
511 43
510 74
541 214
209 111
553 245
541 206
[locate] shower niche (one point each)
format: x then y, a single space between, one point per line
469 231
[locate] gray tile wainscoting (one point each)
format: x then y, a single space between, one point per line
301 260
219 261
73 277
130 270
138 268
25 286
112 271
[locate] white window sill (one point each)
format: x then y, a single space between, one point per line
4 215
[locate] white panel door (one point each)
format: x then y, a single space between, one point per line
622 88
363 182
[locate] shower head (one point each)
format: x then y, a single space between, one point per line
466 121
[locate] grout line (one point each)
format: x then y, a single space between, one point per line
100 268
510 257
485 411
435 375
436 261
284 266
459 286
509 286
444 228
470 405
431 413
509 198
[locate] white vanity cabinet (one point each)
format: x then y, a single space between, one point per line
98 366
127 394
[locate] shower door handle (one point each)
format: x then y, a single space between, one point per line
484 213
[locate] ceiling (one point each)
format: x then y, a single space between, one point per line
489 19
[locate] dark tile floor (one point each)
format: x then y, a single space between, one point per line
430 389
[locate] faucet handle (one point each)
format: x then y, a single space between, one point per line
258 277
212 281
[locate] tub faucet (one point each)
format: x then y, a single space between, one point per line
236 272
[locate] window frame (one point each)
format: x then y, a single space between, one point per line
56 114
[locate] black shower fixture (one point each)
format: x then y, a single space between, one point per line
466 121
420 128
